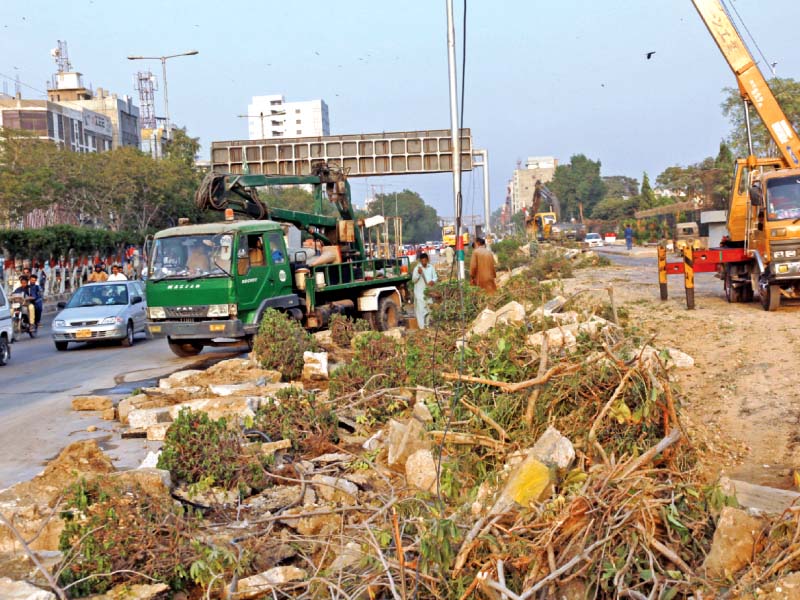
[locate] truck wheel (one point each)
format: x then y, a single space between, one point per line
185 349
5 351
771 297
732 294
388 315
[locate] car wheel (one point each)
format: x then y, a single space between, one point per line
5 351
61 346
185 349
128 339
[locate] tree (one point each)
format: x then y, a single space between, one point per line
620 186
575 183
647 198
615 208
786 92
182 147
420 221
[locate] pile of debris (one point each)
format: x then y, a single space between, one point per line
536 453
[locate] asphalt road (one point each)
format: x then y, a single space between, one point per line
37 385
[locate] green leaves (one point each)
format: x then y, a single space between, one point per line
59 240
280 344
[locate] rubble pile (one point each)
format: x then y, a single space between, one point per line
535 452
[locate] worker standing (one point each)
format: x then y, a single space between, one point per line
424 276
481 267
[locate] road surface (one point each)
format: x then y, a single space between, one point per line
36 388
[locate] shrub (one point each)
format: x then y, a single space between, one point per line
343 329
296 416
379 361
508 255
448 310
280 343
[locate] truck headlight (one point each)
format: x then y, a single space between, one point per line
218 310
156 312
790 253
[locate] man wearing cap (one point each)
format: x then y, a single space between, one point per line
99 275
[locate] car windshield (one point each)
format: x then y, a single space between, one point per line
191 256
783 195
99 295
592 236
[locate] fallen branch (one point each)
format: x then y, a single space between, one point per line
665 551
513 387
489 420
599 418
32 555
467 439
542 370
645 458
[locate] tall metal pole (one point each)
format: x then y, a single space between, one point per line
455 135
166 96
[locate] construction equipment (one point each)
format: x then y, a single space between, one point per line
763 249
449 236
210 284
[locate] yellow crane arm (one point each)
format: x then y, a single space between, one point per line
752 84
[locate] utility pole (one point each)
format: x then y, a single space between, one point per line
455 135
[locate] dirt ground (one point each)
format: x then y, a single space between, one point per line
744 386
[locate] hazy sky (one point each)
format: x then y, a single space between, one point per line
543 77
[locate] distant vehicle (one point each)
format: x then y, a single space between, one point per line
449 236
594 240
113 310
6 328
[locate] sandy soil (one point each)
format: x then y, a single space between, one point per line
743 387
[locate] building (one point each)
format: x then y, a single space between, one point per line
120 111
76 129
270 117
537 168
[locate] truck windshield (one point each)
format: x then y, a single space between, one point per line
783 196
191 256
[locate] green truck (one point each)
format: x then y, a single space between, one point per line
209 284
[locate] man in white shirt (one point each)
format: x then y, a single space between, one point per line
116 274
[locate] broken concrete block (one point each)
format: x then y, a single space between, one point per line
136 591
258 585
335 489
156 482
110 414
421 470
553 306
92 403
760 498
404 439
395 333
216 408
142 418
274 498
324 338
22 590
421 412
177 378
315 366
150 461
734 543
680 360
269 448
158 432
558 338
347 556
374 441
529 482
785 588
513 312
217 497
483 322
223 389
671 358
552 448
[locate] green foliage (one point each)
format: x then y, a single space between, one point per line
438 545
378 363
647 198
108 528
786 92
577 182
297 416
615 208
212 566
199 450
59 240
115 190
621 186
550 265
458 302
280 343
420 221
343 329
508 255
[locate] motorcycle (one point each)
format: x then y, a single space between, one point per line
21 310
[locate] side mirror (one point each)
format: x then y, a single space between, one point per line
62 305
756 195
136 300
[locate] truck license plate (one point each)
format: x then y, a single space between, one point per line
83 334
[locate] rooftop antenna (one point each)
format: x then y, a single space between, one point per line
146 84
61 57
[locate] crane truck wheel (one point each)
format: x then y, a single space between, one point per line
771 297
732 294
388 315
185 349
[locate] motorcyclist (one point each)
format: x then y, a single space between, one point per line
24 290
38 299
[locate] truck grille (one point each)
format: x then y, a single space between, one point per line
186 312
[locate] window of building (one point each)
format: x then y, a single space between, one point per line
298 121
297 111
276 123
275 103
299 132
277 134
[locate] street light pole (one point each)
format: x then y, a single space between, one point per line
163 60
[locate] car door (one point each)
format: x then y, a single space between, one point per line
138 311
5 315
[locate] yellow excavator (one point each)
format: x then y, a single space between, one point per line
764 209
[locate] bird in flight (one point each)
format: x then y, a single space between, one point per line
649 55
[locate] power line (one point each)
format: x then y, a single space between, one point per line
744 25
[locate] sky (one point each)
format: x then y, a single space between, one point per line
543 77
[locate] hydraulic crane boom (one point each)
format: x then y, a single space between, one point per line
752 85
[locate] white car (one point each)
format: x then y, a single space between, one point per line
6 328
593 240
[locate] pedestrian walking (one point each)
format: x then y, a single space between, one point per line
481 267
423 277
629 237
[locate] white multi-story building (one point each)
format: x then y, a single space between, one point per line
541 168
270 117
